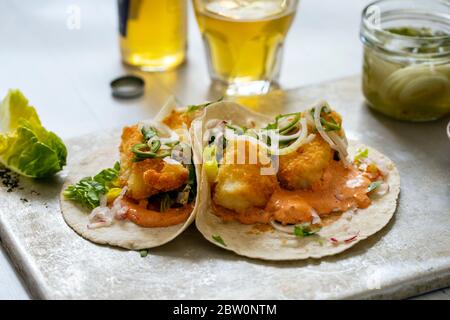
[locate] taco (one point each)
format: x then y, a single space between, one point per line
145 199
288 188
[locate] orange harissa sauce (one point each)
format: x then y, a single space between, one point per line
148 218
339 189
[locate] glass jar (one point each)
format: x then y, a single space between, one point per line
406 68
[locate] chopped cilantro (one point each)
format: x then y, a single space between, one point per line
89 190
219 240
305 230
143 253
374 185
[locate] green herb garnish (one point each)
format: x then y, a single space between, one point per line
305 230
361 154
328 125
196 107
148 133
286 128
374 185
148 150
143 253
88 190
142 151
219 240
271 126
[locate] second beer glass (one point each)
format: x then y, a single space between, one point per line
244 41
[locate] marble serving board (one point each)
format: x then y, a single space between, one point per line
410 256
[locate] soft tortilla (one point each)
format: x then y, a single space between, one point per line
123 234
247 241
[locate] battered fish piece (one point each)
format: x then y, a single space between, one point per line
241 186
302 168
306 166
148 177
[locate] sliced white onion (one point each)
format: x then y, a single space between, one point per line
164 147
290 137
182 197
286 121
169 140
165 134
332 138
315 217
169 160
297 144
99 224
177 155
309 119
301 140
322 132
340 144
381 190
280 227
102 216
117 210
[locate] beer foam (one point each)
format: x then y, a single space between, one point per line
246 10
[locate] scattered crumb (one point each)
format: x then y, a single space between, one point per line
23 199
35 193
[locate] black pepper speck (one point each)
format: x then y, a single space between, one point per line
9 179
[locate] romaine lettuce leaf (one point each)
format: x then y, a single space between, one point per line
25 145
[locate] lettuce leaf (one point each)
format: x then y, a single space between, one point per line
26 147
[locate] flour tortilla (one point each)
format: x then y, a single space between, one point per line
123 234
245 240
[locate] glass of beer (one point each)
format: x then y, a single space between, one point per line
244 41
153 33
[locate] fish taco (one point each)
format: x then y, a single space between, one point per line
290 187
145 199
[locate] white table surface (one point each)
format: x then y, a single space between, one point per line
66 72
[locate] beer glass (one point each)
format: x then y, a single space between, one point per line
244 41
153 33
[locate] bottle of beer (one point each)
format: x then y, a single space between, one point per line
153 33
